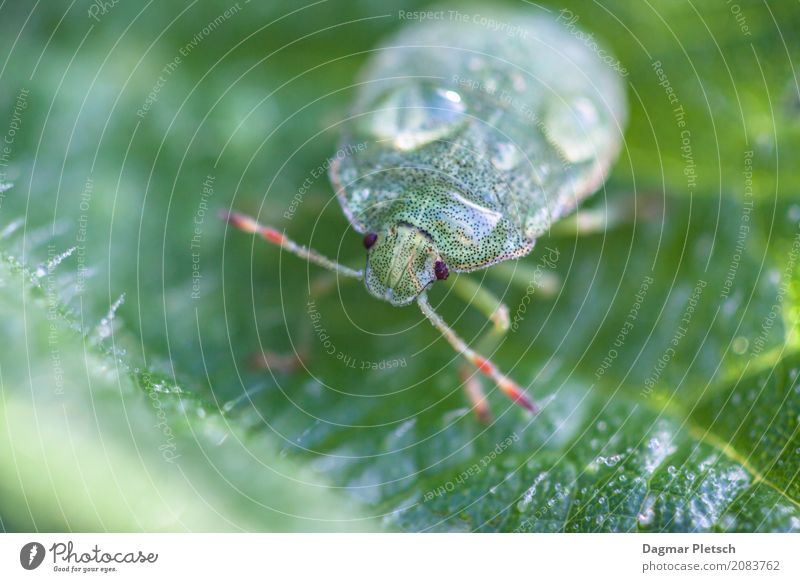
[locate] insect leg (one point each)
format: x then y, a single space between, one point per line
468 289
617 211
249 224
484 300
284 363
535 279
475 393
484 365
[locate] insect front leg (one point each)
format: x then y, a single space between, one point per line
273 235
510 388
269 360
495 311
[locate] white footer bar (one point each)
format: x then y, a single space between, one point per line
389 557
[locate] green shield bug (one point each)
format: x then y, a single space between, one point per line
480 133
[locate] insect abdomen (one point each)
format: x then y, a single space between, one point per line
523 124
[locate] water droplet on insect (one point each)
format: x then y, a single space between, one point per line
575 129
506 156
518 81
474 63
416 114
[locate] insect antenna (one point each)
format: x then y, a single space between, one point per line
270 234
484 365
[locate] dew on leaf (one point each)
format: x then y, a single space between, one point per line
103 330
647 513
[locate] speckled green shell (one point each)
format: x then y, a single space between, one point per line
481 138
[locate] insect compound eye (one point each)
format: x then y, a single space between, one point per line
369 240
441 270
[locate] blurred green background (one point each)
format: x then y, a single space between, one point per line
149 416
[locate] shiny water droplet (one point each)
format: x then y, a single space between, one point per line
104 328
645 516
575 128
506 156
416 114
531 491
609 461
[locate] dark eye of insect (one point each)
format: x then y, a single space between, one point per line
370 239
441 270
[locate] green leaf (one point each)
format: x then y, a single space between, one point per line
87 443
707 441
